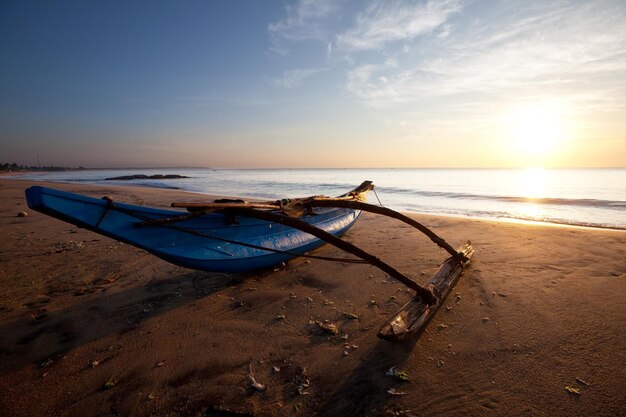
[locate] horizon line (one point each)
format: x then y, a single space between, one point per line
316 168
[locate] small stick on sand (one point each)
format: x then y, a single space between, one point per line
253 382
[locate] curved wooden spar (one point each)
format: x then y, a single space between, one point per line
358 205
422 292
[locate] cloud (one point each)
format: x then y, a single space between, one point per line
306 20
389 21
574 49
294 78
368 82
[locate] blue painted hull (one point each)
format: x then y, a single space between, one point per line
187 243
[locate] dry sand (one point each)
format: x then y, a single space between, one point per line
93 327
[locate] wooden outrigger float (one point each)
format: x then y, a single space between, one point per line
234 235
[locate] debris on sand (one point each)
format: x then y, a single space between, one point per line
254 384
326 327
60 247
109 384
398 374
47 363
572 390
302 381
581 381
393 393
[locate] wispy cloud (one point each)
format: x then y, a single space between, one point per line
369 82
388 21
305 20
576 47
294 78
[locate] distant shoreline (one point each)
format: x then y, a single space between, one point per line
69 169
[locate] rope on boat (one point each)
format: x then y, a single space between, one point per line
376 194
155 222
110 205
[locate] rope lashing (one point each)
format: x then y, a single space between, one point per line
109 206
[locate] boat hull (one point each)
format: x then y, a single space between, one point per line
197 242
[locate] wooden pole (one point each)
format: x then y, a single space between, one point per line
415 314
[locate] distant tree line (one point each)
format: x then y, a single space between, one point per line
6 167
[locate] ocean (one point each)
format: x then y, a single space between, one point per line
581 197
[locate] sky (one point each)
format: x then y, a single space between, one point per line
313 84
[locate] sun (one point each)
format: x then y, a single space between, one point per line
536 131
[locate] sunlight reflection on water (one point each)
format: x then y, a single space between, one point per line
533 183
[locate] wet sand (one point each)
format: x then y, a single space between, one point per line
93 327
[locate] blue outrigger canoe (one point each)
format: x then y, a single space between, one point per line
211 241
235 236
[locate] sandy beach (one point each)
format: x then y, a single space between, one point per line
93 327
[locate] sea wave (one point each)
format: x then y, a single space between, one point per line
512 199
508 216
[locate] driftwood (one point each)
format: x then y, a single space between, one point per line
415 314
